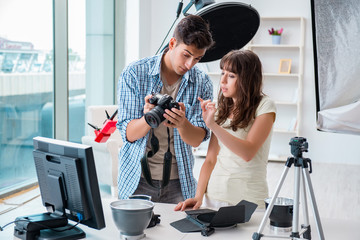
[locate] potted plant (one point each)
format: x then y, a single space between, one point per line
276 35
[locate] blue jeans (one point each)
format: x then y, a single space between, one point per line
169 194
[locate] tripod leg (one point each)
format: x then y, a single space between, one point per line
306 225
295 223
314 206
258 234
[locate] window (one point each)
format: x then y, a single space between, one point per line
27 73
26 86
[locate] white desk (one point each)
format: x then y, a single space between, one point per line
333 229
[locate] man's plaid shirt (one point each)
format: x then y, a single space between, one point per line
138 80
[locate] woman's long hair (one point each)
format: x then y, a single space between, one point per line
247 66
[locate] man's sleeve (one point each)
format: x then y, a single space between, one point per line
129 102
206 92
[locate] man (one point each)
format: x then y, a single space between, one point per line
173 73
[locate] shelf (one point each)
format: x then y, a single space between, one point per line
199 152
291 75
214 73
277 159
278 130
281 18
273 46
286 103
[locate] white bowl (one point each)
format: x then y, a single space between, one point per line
132 216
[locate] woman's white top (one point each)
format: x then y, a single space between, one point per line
234 179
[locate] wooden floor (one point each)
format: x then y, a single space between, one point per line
336 188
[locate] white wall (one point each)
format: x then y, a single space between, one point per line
323 147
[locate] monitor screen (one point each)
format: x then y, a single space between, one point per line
69 188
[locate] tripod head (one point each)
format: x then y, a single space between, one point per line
298 146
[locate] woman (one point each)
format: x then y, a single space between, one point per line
236 161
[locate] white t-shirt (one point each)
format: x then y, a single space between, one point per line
234 179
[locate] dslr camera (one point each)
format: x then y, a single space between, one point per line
155 116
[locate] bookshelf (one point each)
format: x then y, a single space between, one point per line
284 89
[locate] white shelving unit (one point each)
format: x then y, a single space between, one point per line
284 89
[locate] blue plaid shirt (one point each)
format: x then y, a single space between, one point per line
138 80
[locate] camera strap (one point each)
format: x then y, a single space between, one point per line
154 142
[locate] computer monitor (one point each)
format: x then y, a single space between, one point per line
69 190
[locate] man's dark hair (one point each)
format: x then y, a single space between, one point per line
193 30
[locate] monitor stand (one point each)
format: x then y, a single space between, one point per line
50 234
45 227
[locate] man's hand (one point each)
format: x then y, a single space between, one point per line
148 106
176 117
138 128
190 134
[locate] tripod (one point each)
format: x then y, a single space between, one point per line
298 145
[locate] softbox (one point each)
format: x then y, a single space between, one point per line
336 33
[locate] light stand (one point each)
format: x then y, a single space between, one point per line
298 146
198 5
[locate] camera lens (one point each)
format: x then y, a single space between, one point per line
154 117
153 121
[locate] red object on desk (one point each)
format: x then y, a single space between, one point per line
109 127
103 134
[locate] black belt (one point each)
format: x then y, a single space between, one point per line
154 142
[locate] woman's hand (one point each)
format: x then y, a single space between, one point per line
190 202
208 111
